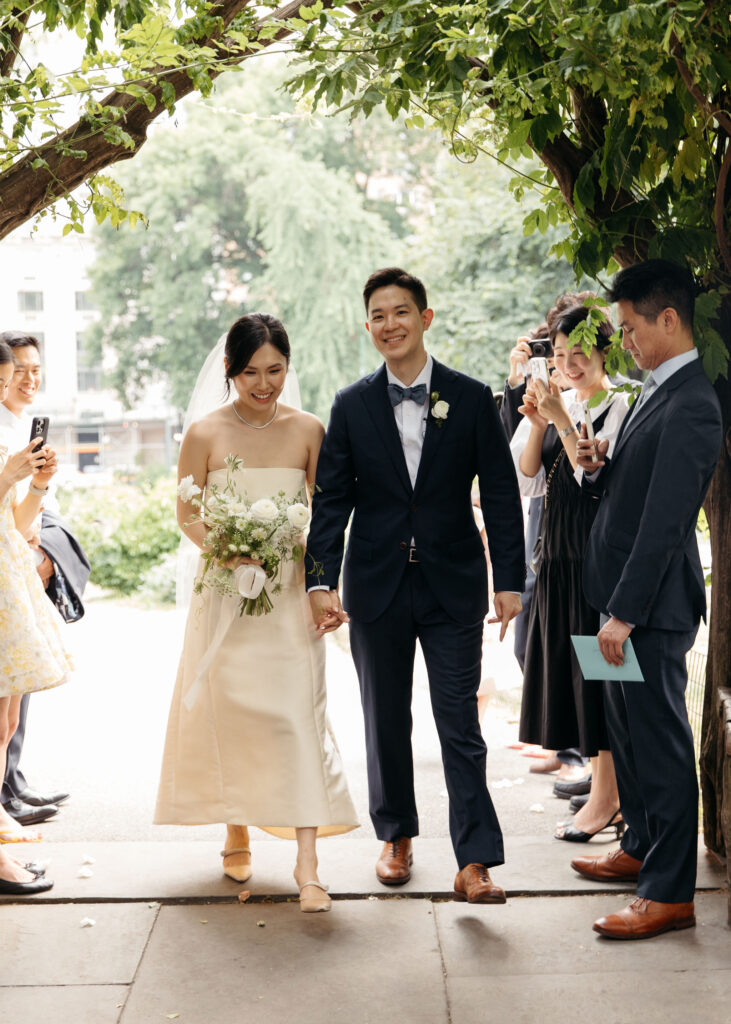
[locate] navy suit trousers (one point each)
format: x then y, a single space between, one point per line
383 652
654 759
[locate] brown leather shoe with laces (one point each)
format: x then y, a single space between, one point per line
474 885
394 864
616 866
644 919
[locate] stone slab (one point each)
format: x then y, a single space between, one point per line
63 1004
541 937
192 870
623 997
365 961
46 945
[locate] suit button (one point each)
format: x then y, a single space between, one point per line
414 508
403 545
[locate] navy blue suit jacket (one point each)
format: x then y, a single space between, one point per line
362 470
642 563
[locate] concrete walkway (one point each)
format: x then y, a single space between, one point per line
171 941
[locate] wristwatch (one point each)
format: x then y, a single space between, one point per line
40 492
566 431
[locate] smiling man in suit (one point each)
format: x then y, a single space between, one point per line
643 573
402 449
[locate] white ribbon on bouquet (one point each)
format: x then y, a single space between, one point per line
250 580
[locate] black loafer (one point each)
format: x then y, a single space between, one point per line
26 814
565 790
577 802
29 796
24 888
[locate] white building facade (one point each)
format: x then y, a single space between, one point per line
44 291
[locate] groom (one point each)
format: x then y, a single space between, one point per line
401 452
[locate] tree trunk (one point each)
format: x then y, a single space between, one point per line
715 759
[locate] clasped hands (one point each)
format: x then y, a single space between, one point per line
327 612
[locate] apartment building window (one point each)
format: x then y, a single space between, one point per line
30 302
88 373
84 303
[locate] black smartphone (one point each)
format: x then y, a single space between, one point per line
39 431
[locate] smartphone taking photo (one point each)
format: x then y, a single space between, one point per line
39 431
538 369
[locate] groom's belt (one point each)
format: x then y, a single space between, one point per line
411 549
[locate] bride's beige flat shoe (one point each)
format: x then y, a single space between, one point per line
315 904
240 872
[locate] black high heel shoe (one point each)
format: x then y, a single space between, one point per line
575 835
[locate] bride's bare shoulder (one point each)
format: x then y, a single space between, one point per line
304 421
210 423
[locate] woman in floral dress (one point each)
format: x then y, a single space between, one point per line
32 654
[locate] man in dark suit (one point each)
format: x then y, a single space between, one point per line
401 452
643 573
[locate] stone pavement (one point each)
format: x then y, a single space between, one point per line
171 941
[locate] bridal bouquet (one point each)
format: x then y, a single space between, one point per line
269 530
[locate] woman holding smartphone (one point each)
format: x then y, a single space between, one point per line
32 654
559 708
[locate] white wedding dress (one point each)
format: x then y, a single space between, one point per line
248 742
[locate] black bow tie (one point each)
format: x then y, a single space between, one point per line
397 394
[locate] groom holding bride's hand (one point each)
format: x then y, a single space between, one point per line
401 452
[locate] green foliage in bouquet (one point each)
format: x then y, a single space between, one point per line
268 531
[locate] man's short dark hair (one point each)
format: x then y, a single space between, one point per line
395 275
654 285
19 339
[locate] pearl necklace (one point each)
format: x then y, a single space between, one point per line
255 426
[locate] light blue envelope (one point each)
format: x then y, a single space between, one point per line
593 665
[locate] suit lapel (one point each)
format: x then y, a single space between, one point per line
441 382
637 416
375 399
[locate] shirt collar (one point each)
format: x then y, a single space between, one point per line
665 370
423 378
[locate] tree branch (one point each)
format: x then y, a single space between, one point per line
719 210
591 117
694 89
9 53
26 191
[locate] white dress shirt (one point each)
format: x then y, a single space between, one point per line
411 418
534 486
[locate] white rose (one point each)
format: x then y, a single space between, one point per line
440 410
187 489
265 510
298 515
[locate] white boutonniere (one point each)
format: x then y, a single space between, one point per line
439 410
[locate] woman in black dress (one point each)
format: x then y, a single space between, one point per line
560 709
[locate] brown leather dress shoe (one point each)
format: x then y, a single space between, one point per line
616 866
474 885
643 919
393 867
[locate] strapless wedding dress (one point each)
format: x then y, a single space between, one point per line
250 743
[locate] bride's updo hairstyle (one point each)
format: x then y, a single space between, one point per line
247 336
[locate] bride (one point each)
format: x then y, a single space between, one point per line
248 741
